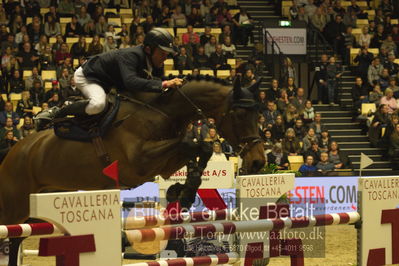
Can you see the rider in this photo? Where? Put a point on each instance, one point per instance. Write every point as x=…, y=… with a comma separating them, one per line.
x=138, y=68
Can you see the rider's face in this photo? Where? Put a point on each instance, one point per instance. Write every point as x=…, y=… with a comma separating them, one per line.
x=158, y=57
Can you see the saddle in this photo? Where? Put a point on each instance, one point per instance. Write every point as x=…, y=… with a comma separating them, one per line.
x=87, y=128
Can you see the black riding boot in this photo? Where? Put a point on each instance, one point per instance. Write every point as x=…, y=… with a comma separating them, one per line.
x=77, y=108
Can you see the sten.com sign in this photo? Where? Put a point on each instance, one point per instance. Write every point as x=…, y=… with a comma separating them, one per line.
x=325, y=194
x=290, y=40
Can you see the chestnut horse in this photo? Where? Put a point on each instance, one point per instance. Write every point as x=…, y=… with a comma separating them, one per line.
x=147, y=143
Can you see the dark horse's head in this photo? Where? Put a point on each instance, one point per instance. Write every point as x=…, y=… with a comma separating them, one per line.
x=239, y=126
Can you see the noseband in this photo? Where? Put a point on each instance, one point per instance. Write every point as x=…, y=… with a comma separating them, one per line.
x=246, y=144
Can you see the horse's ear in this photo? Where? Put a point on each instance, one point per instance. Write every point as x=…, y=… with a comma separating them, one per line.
x=237, y=88
x=254, y=88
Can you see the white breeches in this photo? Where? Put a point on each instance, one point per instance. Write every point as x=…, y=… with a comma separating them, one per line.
x=91, y=91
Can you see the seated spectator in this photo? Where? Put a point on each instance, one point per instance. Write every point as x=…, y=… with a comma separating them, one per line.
x=73, y=28
x=8, y=113
x=383, y=56
x=95, y=46
x=16, y=83
x=365, y=37
x=282, y=102
x=375, y=71
x=376, y=94
x=314, y=151
x=46, y=59
x=389, y=45
x=63, y=83
x=210, y=47
x=324, y=141
x=309, y=138
x=57, y=45
x=268, y=141
x=109, y=44
x=350, y=19
x=42, y=45
x=270, y=114
x=68, y=65
x=89, y=29
x=338, y=158
x=164, y=20
x=224, y=17
x=278, y=157
x=380, y=120
x=378, y=38
x=226, y=32
x=324, y=164
x=278, y=129
x=27, y=58
x=24, y=106
x=139, y=39
x=290, y=143
x=308, y=112
x=395, y=89
x=9, y=141
x=52, y=28
x=273, y=93
x=290, y=115
x=125, y=42
x=291, y=88
x=178, y=18
x=201, y=60
x=148, y=24
x=389, y=101
x=27, y=128
x=317, y=125
x=231, y=77
x=258, y=58
x=190, y=32
x=249, y=78
x=384, y=79
x=37, y=94
x=101, y=26
x=192, y=46
x=393, y=150
x=211, y=19
x=72, y=91
x=79, y=48
x=55, y=101
x=299, y=100
x=261, y=124
x=195, y=18
x=182, y=60
x=9, y=127
x=206, y=36
x=228, y=48
x=62, y=54
x=392, y=67
x=395, y=34
x=111, y=32
x=83, y=16
x=308, y=167
x=300, y=130
x=218, y=60
x=218, y=155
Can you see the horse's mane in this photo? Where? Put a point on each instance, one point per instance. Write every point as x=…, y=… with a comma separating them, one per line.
x=209, y=78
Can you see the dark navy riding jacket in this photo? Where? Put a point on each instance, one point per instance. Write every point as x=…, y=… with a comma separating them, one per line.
x=125, y=69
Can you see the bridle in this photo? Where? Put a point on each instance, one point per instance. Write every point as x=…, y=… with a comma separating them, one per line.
x=245, y=143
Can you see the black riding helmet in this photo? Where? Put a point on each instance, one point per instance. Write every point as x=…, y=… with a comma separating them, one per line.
x=159, y=37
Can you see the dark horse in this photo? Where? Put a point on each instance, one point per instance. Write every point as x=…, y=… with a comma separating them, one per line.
x=146, y=144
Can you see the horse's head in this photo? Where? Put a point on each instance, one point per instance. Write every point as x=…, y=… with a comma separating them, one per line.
x=239, y=127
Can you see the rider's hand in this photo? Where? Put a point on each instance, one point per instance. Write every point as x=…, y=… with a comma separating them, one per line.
x=174, y=83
